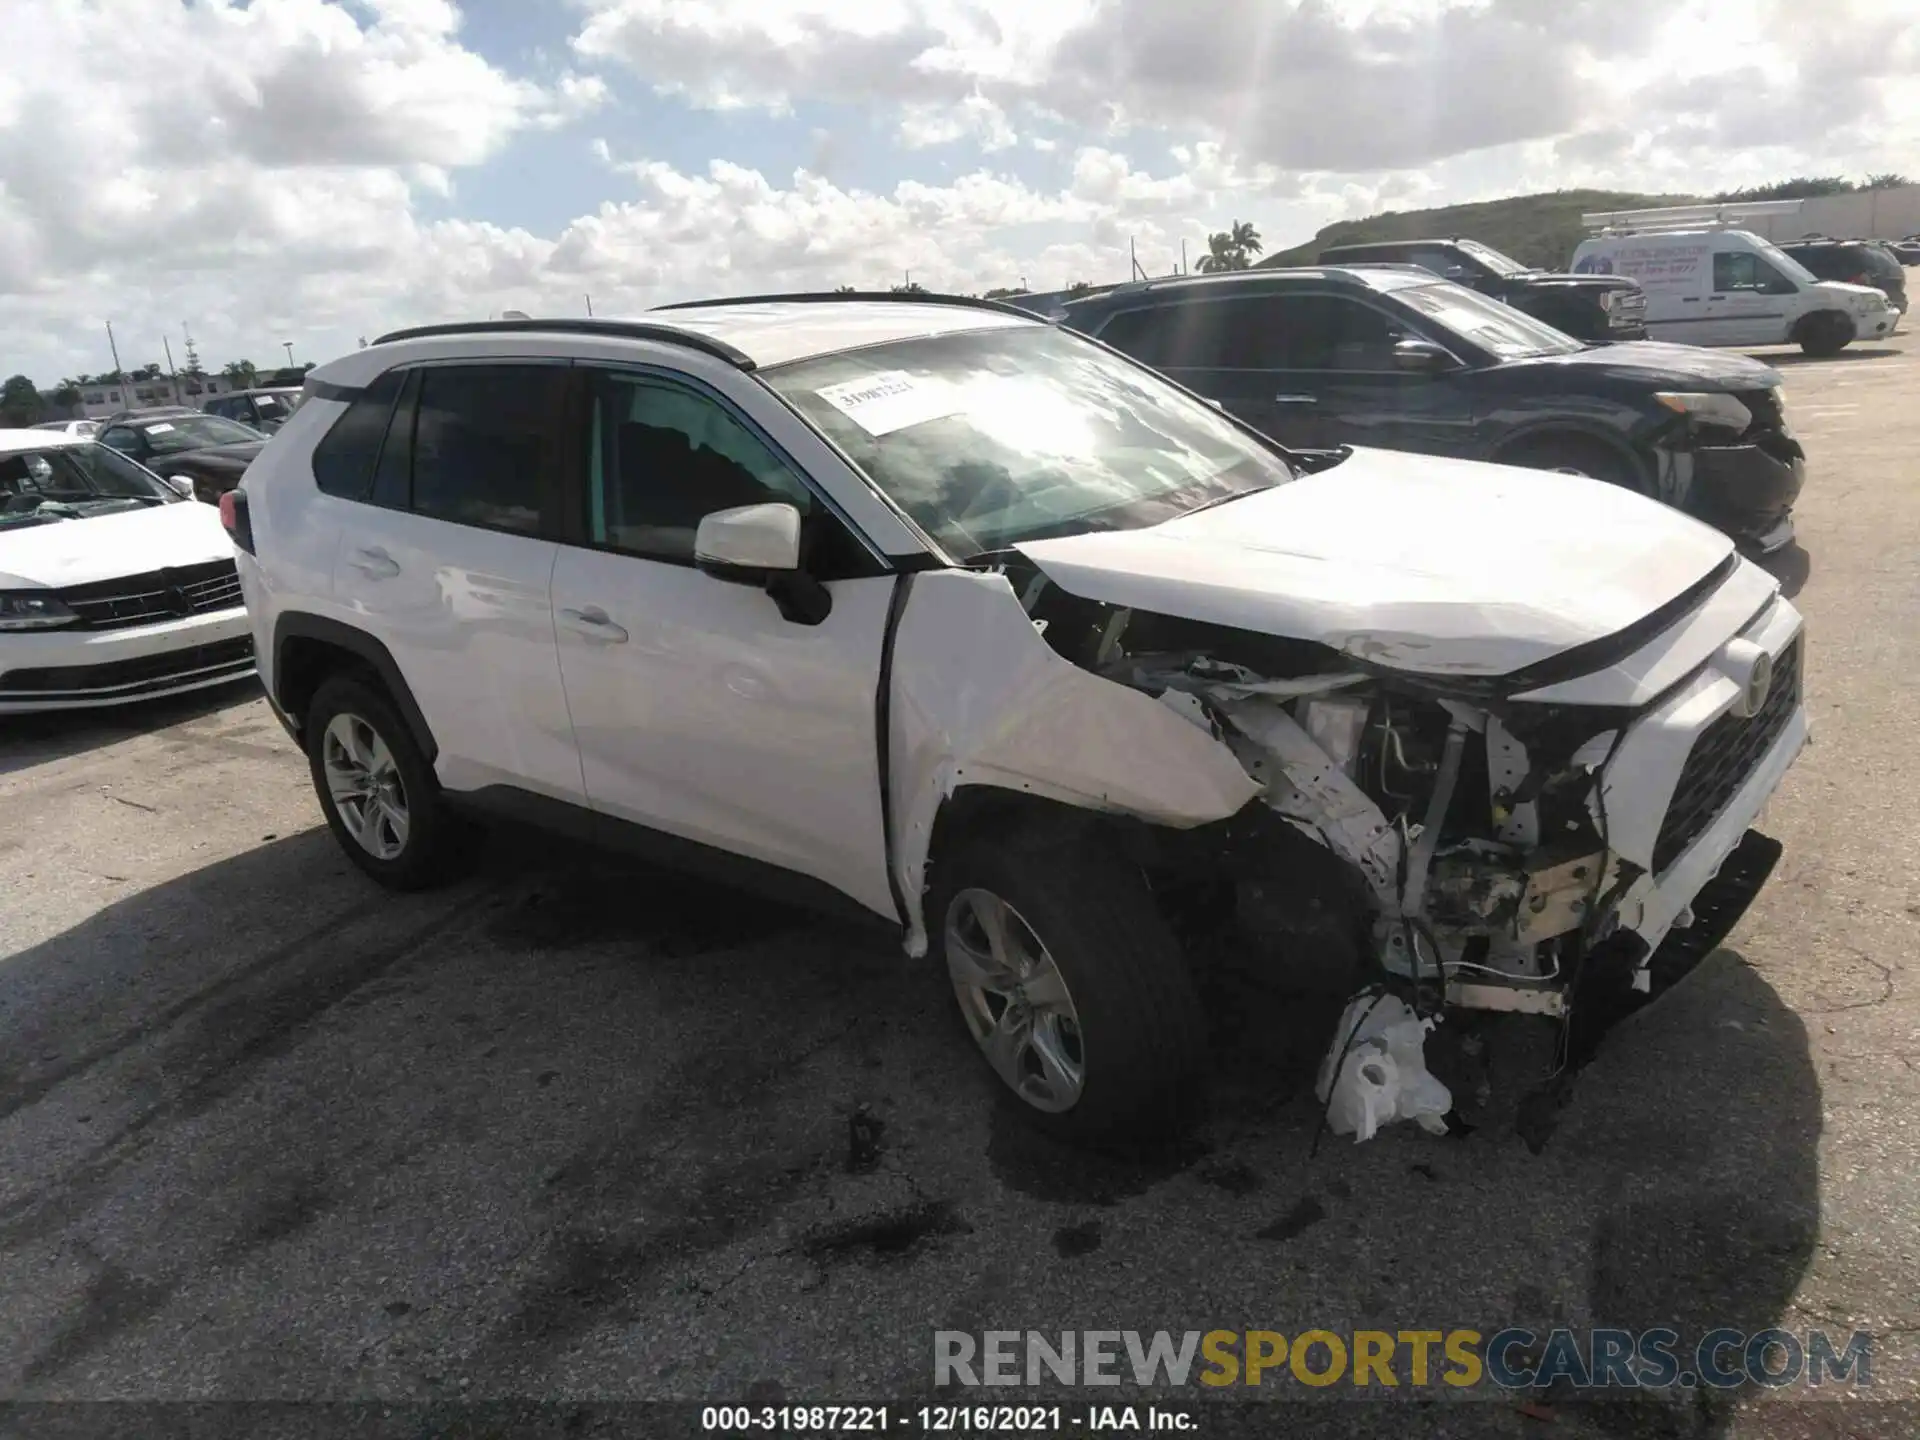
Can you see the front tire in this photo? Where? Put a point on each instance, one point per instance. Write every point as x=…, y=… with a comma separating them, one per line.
x=378, y=790
x=1072, y=987
x=1825, y=333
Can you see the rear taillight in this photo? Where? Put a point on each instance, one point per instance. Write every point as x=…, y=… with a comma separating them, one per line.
x=235, y=519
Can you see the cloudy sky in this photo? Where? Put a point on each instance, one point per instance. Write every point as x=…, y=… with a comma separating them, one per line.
x=318, y=170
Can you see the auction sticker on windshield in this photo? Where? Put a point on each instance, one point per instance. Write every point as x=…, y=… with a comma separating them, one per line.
x=159, y=429
x=891, y=400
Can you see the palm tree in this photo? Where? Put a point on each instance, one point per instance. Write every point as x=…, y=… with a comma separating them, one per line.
x=846, y=289
x=240, y=372
x=1232, y=249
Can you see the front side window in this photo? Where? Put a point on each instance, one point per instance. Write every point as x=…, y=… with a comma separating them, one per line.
x=1470, y=316
x=74, y=482
x=664, y=457
x=988, y=438
x=1744, y=270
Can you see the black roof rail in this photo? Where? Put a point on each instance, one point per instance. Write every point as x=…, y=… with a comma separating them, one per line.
x=610, y=329
x=914, y=297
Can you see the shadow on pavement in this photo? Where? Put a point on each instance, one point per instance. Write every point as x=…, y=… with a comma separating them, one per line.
x=1846, y=356
x=270, y=1096
x=35, y=739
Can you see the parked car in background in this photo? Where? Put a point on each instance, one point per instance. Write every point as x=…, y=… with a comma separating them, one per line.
x=1857, y=262
x=1597, y=308
x=946, y=616
x=84, y=429
x=204, y=451
x=1396, y=358
x=265, y=410
x=112, y=586
x=1708, y=285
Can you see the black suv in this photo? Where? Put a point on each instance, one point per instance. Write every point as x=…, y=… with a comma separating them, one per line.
x=1599, y=308
x=1856, y=262
x=1389, y=356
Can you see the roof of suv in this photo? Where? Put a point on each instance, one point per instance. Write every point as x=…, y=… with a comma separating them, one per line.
x=1359, y=277
x=755, y=332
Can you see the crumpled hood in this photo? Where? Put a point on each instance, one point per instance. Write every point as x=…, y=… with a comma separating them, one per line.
x=1437, y=567
x=103, y=547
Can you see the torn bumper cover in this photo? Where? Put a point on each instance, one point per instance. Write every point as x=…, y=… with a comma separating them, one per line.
x=1499, y=841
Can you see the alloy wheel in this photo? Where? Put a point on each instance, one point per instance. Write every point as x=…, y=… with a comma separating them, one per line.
x=1015, y=1001
x=365, y=784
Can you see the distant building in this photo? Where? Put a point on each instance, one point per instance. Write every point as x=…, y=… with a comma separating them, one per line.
x=99, y=400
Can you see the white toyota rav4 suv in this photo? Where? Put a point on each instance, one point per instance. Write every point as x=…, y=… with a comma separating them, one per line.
x=967, y=623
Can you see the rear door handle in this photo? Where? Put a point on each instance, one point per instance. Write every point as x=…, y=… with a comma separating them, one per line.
x=1296, y=399
x=374, y=563
x=594, y=624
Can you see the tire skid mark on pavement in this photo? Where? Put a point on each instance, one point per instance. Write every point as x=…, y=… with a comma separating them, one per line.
x=245, y=1034
x=16, y=1095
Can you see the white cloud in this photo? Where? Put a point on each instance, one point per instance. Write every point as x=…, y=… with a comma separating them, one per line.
x=276, y=179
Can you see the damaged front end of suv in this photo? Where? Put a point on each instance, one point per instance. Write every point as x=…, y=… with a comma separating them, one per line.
x=1490, y=836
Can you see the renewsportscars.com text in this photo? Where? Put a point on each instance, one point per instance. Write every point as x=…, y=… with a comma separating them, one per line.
x=1511, y=1359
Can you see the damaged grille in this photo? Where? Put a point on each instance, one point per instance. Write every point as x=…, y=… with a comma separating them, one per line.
x=161, y=595
x=1722, y=759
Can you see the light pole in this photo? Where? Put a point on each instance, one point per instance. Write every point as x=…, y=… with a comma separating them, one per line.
x=289, y=346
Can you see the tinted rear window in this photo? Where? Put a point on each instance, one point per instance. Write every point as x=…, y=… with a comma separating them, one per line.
x=343, y=461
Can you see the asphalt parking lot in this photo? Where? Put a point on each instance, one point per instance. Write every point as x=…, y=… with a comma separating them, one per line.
x=573, y=1129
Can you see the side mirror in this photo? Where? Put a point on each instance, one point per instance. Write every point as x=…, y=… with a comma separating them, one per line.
x=181, y=486
x=748, y=543
x=760, y=545
x=1420, y=357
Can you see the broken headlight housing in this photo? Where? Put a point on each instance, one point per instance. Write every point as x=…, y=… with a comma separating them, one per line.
x=1708, y=408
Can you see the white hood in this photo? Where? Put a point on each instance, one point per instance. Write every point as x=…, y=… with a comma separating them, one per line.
x=1860, y=299
x=133, y=542
x=1442, y=567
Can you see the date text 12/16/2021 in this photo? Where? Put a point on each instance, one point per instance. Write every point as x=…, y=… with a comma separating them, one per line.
x=944, y=1419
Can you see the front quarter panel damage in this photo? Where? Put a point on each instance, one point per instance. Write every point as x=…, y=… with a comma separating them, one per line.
x=980, y=699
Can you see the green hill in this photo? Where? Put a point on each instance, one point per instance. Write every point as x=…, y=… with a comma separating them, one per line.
x=1534, y=229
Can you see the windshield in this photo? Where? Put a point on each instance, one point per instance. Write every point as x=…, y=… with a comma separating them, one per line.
x=1783, y=261
x=193, y=432
x=1507, y=332
x=1493, y=259
x=74, y=482
x=994, y=437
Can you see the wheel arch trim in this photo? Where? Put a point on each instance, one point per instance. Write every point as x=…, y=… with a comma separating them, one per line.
x=295, y=626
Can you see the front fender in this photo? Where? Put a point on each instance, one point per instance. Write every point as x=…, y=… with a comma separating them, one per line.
x=979, y=698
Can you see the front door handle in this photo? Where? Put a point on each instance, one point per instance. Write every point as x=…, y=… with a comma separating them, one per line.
x=1296, y=399
x=374, y=563
x=594, y=624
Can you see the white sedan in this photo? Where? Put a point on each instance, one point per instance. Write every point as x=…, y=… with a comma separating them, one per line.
x=112, y=586
x=83, y=429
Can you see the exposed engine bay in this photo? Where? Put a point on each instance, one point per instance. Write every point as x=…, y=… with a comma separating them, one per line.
x=1472, y=831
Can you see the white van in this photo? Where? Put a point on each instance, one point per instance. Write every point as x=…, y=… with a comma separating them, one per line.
x=1711, y=285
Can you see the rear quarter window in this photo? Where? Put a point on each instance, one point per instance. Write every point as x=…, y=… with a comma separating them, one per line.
x=344, y=460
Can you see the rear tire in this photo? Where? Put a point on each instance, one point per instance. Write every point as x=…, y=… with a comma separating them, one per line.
x=378, y=790
x=1824, y=333
x=1121, y=1061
